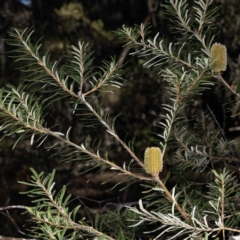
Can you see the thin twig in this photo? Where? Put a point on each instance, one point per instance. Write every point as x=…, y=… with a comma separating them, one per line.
x=12, y=207
x=14, y=222
x=221, y=79
x=151, y=15
x=169, y=195
x=13, y=238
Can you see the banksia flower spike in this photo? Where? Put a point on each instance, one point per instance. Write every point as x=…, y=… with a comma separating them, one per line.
x=218, y=58
x=153, y=161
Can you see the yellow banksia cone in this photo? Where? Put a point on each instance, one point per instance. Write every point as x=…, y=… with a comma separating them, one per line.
x=218, y=58
x=153, y=161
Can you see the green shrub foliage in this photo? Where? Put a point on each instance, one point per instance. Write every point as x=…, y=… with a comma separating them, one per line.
x=200, y=208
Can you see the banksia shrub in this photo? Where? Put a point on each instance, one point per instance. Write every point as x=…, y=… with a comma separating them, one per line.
x=218, y=58
x=153, y=161
x=192, y=199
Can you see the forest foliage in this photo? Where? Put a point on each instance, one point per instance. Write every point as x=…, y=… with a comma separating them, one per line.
x=187, y=180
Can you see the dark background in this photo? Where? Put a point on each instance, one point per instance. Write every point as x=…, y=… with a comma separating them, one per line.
x=63, y=23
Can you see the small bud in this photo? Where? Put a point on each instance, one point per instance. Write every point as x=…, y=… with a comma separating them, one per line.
x=218, y=58
x=153, y=161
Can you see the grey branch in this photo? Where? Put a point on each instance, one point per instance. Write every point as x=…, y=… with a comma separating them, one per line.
x=12, y=238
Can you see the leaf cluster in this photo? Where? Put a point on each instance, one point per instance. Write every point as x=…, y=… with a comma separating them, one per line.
x=186, y=209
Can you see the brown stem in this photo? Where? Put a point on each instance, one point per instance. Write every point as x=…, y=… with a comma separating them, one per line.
x=169, y=195
x=95, y=156
x=221, y=79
